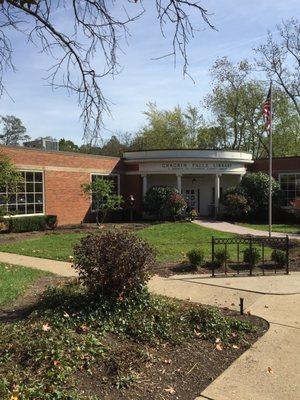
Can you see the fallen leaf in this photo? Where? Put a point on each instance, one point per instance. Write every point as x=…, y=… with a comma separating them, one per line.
x=170, y=390
x=46, y=327
x=57, y=363
x=82, y=329
x=234, y=346
x=270, y=371
x=219, y=347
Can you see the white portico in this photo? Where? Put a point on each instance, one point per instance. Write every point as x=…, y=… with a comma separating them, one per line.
x=200, y=175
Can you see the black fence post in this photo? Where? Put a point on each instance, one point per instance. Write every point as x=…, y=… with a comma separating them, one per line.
x=251, y=255
x=213, y=256
x=287, y=250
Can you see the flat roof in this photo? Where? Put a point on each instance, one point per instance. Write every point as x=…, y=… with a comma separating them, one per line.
x=66, y=153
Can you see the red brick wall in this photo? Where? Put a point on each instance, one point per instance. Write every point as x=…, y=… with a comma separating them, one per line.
x=285, y=164
x=62, y=183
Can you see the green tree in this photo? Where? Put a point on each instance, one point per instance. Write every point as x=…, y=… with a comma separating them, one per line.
x=167, y=129
x=68, y=145
x=236, y=106
x=13, y=131
x=10, y=180
x=104, y=199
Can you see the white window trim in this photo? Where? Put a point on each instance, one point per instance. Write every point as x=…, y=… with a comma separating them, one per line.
x=286, y=173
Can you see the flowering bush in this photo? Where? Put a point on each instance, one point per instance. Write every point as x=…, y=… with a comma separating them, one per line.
x=236, y=206
x=164, y=202
x=177, y=204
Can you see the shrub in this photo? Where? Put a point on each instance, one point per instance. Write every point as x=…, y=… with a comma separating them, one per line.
x=221, y=257
x=196, y=257
x=113, y=263
x=236, y=206
x=177, y=204
x=31, y=223
x=192, y=214
x=255, y=188
x=164, y=202
x=252, y=256
x=279, y=257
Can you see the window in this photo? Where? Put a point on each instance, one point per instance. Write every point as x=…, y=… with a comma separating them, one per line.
x=114, y=178
x=30, y=197
x=290, y=185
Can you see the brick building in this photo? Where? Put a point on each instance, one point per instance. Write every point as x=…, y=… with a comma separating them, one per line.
x=53, y=179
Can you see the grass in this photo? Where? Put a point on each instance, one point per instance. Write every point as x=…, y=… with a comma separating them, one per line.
x=55, y=246
x=14, y=281
x=73, y=337
x=171, y=241
x=284, y=228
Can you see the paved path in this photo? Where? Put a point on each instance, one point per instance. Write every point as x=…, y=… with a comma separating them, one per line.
x=275, y=298
x=240, y=230
x=57, y=267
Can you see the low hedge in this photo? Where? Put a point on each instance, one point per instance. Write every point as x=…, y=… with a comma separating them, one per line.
x=31, y=223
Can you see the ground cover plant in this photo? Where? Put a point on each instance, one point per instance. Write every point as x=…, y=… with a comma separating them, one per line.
x=79, y=346
x=14, y=281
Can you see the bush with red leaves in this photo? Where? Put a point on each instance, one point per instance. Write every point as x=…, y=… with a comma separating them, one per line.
x=114, y=263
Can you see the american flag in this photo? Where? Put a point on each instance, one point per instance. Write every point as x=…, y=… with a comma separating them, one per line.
x=267, y=110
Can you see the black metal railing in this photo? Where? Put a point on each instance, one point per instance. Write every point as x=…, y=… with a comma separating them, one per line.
x=264, y=244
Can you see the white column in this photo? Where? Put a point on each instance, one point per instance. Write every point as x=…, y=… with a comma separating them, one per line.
x=179, y=182
x=217, y=191
x=144, y=185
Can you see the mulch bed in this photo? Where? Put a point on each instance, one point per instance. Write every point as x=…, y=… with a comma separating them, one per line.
x=160, y=373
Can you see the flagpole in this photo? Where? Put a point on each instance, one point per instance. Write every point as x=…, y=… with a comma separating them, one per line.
x=270, y=163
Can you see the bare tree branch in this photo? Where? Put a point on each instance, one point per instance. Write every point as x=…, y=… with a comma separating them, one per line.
x=281, y=59
x=98, y=26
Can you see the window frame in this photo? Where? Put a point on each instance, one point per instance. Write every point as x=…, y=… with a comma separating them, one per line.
x=34, y=193
x=280, y=175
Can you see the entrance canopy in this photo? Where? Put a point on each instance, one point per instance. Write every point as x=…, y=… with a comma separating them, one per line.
x=200, y=175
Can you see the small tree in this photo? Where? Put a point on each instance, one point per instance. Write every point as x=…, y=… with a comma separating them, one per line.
x=10, y=180
x=104, y=199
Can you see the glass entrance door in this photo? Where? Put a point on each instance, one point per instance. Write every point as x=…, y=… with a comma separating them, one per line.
x=192, y=198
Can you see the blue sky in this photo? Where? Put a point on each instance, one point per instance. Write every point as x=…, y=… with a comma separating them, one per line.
x=241, y=26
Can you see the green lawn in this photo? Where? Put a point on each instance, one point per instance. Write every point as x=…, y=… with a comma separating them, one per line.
x=171, y=240
x=56, y=246
x=14, y=280
x=284, y=228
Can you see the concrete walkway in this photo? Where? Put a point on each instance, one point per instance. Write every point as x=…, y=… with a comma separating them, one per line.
x=56, y=267
x=275, y=298
x=239, y=230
